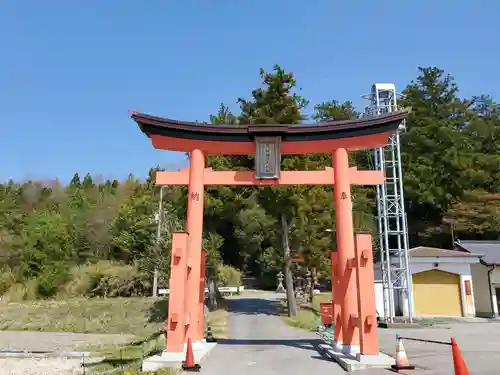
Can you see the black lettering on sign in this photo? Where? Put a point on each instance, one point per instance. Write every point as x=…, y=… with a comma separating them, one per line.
x=195, y=196
x=343, y=195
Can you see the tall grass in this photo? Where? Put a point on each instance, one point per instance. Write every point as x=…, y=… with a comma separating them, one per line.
x=100, y=279
x=106, y=279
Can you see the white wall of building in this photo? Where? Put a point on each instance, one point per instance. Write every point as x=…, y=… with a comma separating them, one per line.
x=379, y=299
x=482, y=297
x=495, y=275
x=495, y=283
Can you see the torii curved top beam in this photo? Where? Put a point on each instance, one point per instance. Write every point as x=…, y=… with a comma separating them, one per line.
x=320, y=137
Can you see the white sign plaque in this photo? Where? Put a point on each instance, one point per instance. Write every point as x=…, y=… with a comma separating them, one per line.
x=267, y=158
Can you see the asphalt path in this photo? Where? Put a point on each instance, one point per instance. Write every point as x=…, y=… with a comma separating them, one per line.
x=261, y=343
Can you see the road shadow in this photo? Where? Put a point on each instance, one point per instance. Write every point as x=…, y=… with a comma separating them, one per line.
x=254, y=306
x=306, y=344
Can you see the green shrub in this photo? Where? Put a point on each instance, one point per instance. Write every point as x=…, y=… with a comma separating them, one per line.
x=51, y=278
x=228, y=276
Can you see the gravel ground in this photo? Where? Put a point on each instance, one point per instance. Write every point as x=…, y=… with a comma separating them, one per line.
x=49, y=366
x=49, y=341
x=56, y=341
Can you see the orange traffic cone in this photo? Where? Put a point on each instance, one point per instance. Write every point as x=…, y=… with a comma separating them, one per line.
x=458, y=361
x=188, y=364
x=402, y=365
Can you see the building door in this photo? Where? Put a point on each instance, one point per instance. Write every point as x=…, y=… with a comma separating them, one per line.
x=437, y=292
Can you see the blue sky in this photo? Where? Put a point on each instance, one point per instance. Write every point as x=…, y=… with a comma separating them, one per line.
x=71, y=70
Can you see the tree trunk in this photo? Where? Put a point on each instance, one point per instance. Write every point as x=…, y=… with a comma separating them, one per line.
x=290, y=295
x=313, y=284
x=212, y=295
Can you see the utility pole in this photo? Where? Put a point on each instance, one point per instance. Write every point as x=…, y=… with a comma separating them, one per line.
x=452, y=236
x=158, y=238
x=450, y=221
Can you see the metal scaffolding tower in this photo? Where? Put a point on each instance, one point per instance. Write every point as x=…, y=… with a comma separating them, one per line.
x=391, y=215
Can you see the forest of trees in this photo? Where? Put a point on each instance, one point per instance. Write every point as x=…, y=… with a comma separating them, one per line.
x=96, y=238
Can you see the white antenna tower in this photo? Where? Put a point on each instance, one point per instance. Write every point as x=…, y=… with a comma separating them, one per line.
x=391, y=214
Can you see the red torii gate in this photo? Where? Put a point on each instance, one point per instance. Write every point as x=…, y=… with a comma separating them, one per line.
x=352, y=265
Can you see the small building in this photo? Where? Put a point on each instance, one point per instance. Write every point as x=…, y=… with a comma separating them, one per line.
x=442, y=283
x=485, y=275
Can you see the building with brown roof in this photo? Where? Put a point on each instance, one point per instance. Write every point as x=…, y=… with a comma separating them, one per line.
x=442, y=283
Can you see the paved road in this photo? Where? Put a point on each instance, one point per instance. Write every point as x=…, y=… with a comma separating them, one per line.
x=479, y=343
x=260, y=343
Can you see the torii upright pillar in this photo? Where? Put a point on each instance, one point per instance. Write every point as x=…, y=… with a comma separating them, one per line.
x=194, y=227
x=345, y=250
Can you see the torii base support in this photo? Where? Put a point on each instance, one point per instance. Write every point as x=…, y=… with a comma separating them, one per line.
x=174, y=360
x=354, y=360
x=175, y=342
x=366, y=354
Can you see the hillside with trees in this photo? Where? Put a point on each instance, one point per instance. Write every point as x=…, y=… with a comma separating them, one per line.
x=98, y=238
